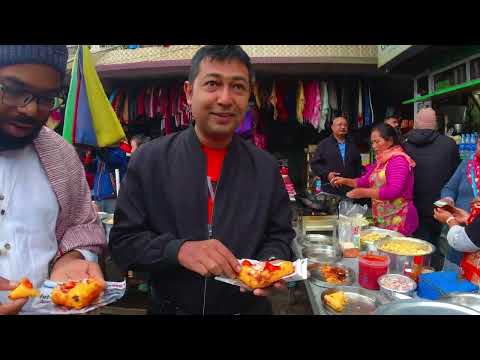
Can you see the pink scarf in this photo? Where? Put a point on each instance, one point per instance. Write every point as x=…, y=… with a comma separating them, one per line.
x=396, y=150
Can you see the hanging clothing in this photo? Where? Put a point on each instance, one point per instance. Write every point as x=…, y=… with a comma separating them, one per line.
x=332, y=96
x=281, y=94
x=360, y=120
x=273, y=101
x=317, y=107
x=325, y=106
x=300, y=102
x=256, y=93
x=367, y=106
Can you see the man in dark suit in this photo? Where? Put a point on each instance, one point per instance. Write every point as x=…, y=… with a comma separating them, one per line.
x=337, y=155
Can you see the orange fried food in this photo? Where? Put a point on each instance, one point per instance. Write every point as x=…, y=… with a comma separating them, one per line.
x=265, y=273
x=333, y=274
x=77, y=294
x=23, y=290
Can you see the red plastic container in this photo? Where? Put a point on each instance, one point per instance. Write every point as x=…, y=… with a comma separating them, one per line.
x=370, y=268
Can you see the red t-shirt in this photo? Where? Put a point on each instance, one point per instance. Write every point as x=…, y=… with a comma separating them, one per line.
x=215, y=159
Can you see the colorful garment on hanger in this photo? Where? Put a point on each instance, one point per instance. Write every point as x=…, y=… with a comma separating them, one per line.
x=300, y=102
x=256, y=93
x=325, y=106
x=310, y=101
x=281, y=93
x=273, y=101
x=360, y=119
x=368, y=108
x=332, y=96
x=317, y=108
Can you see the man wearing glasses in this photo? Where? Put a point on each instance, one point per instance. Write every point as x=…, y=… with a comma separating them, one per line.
x=48, y=227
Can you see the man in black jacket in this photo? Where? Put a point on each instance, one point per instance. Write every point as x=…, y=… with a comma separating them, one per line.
x=194, y=202
x=337, y=155
x=437, y=158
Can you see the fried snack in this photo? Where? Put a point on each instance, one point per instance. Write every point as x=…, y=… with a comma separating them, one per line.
x=264, y=274
x=333, y=274
x=77, y=294
x=23, y=290
x=337, y=301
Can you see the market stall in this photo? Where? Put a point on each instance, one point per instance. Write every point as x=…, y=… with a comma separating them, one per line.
x=385, y=287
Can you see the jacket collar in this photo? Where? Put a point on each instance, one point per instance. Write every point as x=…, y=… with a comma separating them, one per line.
x=194, y=142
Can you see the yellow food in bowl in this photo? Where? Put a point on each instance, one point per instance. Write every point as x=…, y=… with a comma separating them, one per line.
x=371, y=238
x=405, y=247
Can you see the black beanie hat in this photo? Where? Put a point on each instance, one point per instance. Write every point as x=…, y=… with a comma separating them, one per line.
x=53, y=55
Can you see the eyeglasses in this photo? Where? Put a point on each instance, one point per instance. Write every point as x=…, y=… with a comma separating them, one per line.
x=21, y=98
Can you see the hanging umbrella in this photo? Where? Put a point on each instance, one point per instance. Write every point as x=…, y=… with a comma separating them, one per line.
x=89, y=116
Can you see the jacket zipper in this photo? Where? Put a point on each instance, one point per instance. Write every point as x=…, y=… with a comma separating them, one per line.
x=210, y=232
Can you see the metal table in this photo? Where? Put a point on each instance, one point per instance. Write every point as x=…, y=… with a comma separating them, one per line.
x=314, y=291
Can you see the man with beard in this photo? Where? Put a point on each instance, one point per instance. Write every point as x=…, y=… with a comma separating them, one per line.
x=194, y=202
x=48, y=226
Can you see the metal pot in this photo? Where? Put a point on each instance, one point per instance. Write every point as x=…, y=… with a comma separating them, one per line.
x=398, y=263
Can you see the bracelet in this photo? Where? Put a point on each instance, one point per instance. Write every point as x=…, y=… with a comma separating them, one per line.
x=450, y=218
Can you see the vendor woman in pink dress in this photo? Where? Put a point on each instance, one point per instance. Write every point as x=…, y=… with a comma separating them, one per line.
x=388, y=182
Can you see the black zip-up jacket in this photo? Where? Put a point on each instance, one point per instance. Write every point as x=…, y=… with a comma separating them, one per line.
x=327, y=159
x=436, y=157
x=163, y=203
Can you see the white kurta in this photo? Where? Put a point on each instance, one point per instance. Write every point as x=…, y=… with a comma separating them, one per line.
x=28, y=217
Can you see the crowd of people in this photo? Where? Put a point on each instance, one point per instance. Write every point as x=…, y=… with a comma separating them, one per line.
x=210, y=199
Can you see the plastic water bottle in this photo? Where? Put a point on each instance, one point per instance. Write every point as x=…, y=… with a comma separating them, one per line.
x=472, y=146
x=461, y=147
x=318, y=186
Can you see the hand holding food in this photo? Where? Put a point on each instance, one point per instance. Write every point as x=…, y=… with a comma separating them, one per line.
x=72, y=266
x=208, y=257
x=77, y=294
x=441, y=215
x=264, y=274
x=11, y=307
x=23, y=290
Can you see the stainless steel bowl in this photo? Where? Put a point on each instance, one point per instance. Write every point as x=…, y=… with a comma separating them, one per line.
x=395, y=293
x=398, y=263
x=315, y=239
x=322, y=253
x=370, y=246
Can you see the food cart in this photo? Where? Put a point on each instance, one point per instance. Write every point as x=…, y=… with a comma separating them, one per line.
x=363, y=301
